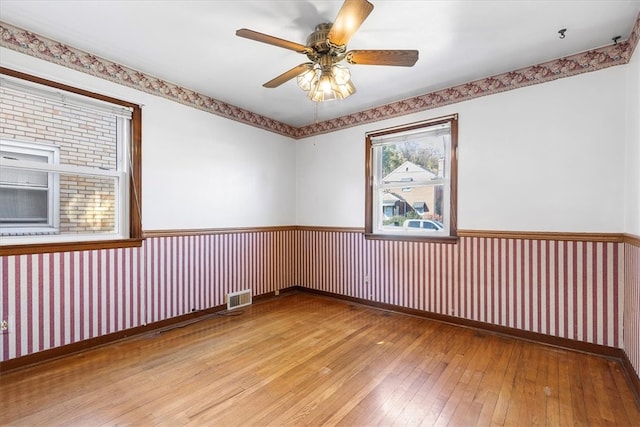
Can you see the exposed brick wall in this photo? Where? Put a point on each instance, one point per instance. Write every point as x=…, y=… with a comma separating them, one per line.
x=84, y=138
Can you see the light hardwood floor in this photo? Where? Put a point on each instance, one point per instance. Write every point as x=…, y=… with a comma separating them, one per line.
x=302, y=359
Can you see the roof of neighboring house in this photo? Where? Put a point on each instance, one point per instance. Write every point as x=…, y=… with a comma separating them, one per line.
x=408, y=172
x=390, y=198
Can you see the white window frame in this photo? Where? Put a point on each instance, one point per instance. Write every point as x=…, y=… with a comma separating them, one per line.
x=52, y=154
x=445, y=128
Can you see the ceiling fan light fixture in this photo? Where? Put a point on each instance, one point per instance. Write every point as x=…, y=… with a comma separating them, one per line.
x=331, y=84
x=307, y=79
x=323, y=88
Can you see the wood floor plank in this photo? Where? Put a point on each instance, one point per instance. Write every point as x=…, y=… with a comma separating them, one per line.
x=303, y=359
x=564, y=389
x=490, y=388
x=466, y=384
x=427, y=366
x=628, y=401
x=507, y=395
x=548, y=384
x=576, y=380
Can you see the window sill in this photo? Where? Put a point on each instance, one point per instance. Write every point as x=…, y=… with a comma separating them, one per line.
x=44, y=248
x=412, y=238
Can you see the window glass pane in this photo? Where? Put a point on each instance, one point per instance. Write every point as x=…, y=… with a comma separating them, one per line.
x=422, y=202
x=91, y=141
x=23, y=206
x=23, y=177
x=414, y=161
x=87, y=204
x=17, y=177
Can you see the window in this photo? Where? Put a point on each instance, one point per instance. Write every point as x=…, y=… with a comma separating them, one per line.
x=69, y=168
x=29, y=199
x=411, y=181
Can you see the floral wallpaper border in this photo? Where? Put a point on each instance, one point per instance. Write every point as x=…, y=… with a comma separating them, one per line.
x=50, y=50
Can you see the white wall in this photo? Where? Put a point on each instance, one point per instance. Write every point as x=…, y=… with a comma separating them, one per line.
x=547, y=157
x=198, y=170
x=632, y=156
x=203, y=171
x=330, y=179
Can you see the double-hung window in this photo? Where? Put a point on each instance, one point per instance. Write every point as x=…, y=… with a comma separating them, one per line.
x=69, y=167
x=411, y=181
x=29, y=197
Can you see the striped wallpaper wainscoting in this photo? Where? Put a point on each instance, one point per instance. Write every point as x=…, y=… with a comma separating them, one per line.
x=632, y=301
x=61, y=298
x=184, y=273
x=56, y=299
x=567, y=289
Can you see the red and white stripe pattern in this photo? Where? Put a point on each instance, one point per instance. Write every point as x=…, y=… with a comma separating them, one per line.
x=196, y=272
x=560, y=288
x=61, y=298
x=632, y=304
x=55, y=299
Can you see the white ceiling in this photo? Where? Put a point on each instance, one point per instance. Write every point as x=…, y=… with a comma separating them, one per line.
x=193, y=43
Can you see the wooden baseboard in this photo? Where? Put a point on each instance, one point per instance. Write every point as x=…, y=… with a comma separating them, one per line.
x=84, y=345
x=616, y=354
x=631, y=375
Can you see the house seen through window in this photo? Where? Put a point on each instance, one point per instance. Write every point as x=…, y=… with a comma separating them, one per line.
x=411, y=183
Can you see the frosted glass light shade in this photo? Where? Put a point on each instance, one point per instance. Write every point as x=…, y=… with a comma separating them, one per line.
x=341, y=74
x=327, y=84
x=308, y=78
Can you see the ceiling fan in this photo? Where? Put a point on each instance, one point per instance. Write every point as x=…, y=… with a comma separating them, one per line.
x=324, y=78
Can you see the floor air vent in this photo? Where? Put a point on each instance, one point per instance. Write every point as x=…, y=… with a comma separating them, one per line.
x=238, y=299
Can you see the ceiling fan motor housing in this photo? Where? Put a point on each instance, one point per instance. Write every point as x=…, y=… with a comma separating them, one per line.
x=319, y=42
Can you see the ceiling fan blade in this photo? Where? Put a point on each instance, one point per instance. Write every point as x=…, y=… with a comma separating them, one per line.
x=351, y=15
x=403, y=58
x=265, y=38
x=288, y=75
